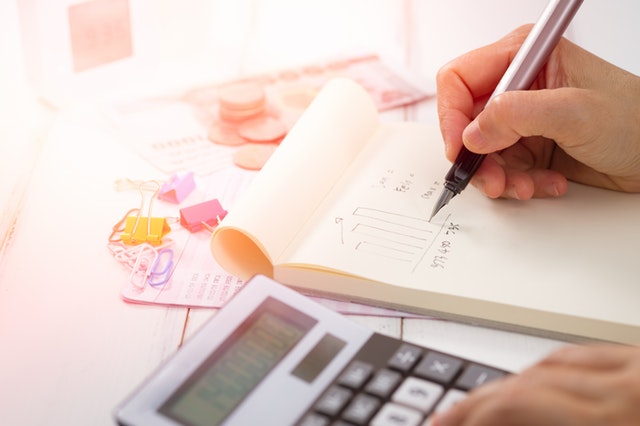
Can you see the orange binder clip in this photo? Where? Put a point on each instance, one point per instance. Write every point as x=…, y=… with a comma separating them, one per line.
x=140, y=229
x=207, y=215
x=178, y=188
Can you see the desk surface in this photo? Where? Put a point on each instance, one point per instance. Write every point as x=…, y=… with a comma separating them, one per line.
x=71, y=348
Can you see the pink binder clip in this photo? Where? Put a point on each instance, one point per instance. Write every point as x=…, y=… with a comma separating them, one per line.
x=178, y=188
x=207, y=214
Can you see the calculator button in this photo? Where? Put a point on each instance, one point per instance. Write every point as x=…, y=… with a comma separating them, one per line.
x=396, y=415
x=405, y=357
x=333, y=400
x=361, y=409
x=476, y=375
x=418, y=393
x=384, y=383
x=356, y=374
x=450, y=399
x=438, y=367
x=314, y=419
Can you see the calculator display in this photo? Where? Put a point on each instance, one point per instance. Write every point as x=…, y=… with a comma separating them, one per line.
x=220, y=384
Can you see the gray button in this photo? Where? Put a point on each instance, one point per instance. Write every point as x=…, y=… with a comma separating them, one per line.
x=438, y=367
x=405, y=357
x=361, y=409
x=477, y=375
x=384, y=383
x=333, y=400
x=356, y=374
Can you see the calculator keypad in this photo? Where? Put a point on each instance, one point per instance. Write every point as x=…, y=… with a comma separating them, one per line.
x=394, y=383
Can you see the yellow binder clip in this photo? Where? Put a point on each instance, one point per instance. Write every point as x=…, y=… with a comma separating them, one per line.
x=140, y=229
x=144, y=230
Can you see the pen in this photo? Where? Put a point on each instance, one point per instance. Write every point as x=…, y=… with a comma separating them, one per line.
x=524, y=68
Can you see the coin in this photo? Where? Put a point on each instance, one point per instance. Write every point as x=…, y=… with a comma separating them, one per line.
x=262, y=129
x=253, y=156
x=224, y=134
x=237, y=115
x=298, y=98
x=242, y=96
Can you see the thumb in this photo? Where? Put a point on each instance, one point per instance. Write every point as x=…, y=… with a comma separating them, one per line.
x=552, y=113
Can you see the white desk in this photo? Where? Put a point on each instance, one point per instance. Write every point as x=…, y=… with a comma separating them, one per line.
x=71, y=349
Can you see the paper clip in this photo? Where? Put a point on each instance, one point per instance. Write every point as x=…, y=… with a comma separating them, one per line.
x=148, y=264
x=178, y=188
x=144, y=260
x=127, y=256
x=203, y=215
x=139, y=229
x=161, y=269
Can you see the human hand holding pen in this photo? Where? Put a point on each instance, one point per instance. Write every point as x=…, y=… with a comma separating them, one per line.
x=580, y=121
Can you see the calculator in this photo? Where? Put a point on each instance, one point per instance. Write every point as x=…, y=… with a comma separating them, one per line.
x=272, y=356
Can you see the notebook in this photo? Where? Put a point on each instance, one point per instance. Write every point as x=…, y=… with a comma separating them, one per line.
x=341, y=210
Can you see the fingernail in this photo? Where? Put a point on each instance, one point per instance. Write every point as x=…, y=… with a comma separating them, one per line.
x=511, y=192
x=552, y=190
x=447, y=148
x=480, y=184
x=498, y=159
x=472, y=136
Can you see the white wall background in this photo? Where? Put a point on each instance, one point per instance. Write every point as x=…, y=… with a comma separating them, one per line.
x=261, y=32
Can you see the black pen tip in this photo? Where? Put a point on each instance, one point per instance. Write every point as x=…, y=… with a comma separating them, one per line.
x=444, y=199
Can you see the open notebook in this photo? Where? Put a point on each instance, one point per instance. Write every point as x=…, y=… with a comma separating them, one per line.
x=341, y=210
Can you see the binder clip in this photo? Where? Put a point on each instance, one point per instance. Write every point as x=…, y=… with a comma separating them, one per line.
x=204, y=215
x=178, y=188
x=139, y=229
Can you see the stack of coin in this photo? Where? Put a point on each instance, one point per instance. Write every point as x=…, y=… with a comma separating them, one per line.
x=240, y=102
x=244, y=120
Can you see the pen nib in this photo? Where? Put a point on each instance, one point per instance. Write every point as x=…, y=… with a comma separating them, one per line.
x=444, y=199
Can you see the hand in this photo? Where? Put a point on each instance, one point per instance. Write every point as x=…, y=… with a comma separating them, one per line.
x=575, y=386
x=580, y=121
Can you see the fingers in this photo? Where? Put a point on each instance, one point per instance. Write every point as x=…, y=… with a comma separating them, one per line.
x=480, y=70
x=595, y=357
x=496, y=178
x=517, y=114
x=573, y=386
x=465, y=84
x=517, y=406
x=540, y=395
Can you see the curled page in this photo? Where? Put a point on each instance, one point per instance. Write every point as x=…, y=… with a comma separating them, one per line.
x=322, y=144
